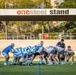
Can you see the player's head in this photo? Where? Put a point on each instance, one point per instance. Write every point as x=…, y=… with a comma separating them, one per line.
x=12, y=44
x=69, y=47
x=62, y=40
x=41, y=43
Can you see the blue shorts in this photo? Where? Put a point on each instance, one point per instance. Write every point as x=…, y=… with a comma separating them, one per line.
x=29, y=55
x=4, y=54
x=24, y=55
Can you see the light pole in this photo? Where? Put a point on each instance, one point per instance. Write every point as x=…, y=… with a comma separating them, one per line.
x=42, y=7
x=5, y=24
x=6, y=29
x=42, y=30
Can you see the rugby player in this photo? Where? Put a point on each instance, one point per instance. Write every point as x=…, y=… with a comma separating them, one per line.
x=6, y=51
x=37, y=49
x=62, y=45
x=69, y=53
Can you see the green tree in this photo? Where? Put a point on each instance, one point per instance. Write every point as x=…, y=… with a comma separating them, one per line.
x=70, y=25
x=68, y=4
x=16, y=3
x=25, y=4
x=1, y=4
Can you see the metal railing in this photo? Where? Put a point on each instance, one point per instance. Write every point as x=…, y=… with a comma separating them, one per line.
x=24, y=36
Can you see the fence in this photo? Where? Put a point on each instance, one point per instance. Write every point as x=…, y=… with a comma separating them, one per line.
x=23, y=36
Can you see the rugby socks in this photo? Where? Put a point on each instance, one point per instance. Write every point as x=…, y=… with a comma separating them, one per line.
x=44, y=60
x=40, y=61
x=29, y=63
x=67, y=59
x=6, y=61
x=23, y=61
x=55, y=61
x=13, y=61
x=62, y=61
x=50, y=62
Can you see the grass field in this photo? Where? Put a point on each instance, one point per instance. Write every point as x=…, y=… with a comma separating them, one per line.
x=35, y=69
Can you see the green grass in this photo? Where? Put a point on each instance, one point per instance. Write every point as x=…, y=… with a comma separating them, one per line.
x=66, y=69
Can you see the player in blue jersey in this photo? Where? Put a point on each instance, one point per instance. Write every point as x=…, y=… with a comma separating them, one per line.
x=69, y=53
x=6, y=51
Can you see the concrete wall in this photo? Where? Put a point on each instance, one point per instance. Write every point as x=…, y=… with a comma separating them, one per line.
x=23, y=43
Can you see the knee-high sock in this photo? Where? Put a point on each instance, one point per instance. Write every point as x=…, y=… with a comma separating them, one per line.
x=13, y=61
x=6, y=61
x=44, y=60
x=29, y=61
x=40, y=61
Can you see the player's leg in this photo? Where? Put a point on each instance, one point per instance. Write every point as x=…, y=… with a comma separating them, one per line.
x=58, y=57
x=62, y=61
x=50, y=59
x=29, y=59
x=72, y=59
x=54, y=52
x=6, y=59
x=43, y=56
x=29, y=63
x=6, y=56
x=67, y=57
x=19, y=56
x=54, y=59
x=40, y=59
x=23, y=60
x=33, y=56
x=18, y=60
x=13, y=62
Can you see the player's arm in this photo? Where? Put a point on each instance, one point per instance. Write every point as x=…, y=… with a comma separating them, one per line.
x=66, y=52
x=73, y=52
x=44, y=49
x=64, y=46
x=58, y=44
x=12, y=51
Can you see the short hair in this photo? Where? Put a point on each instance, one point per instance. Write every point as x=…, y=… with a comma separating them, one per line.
x=62, y=39
x=41, y=41
x=12, y=44
x=69, y=46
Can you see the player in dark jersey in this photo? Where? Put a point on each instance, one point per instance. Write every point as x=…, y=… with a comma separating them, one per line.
x=62, y=45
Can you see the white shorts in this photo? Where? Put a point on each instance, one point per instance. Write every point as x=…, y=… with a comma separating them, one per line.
x=4, y=54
